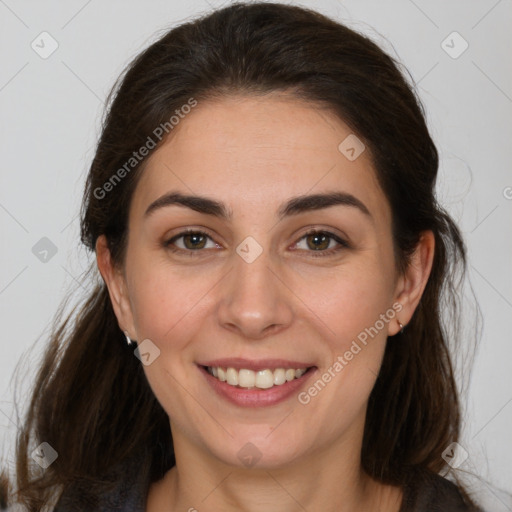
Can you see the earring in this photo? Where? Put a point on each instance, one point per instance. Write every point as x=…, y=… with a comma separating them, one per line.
x=401, y=325
x=129, y=341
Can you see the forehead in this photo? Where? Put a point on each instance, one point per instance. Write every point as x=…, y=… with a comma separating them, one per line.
x=254, y=152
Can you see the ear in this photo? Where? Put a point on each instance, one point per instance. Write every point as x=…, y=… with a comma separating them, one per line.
x=116, y=284
x=412, y=282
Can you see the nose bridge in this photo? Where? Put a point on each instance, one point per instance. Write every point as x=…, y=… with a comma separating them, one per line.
x=253, y=300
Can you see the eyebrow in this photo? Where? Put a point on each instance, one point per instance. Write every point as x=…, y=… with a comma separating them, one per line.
x=293, y=206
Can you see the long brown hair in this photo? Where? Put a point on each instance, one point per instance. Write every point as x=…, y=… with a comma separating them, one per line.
x=91, y=401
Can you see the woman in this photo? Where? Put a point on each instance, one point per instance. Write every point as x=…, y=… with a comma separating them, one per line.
x=267, y=328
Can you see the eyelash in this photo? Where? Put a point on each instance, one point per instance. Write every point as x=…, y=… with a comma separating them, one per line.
x=342, y=244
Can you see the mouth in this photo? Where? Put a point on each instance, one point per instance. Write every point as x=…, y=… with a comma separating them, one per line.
x=249, y=383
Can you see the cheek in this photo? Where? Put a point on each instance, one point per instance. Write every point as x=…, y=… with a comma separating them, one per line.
x=167, y=300
x=355, y=343
x=169, y=306
x=350, y=298
x=354, y=308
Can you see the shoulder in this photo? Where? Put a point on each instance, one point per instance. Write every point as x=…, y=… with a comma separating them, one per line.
x=126, y=493
x=428, y=492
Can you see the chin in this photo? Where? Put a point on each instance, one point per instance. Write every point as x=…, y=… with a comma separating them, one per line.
x=259, y=450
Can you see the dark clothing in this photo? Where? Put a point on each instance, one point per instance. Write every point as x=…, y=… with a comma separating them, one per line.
x=435, y=494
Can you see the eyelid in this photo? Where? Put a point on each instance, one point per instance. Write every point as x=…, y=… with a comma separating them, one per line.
x=168, y=242
x=340, y=240
x=342, y=243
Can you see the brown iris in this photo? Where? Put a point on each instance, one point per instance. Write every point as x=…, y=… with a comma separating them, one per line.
x=194, y=241
x=319, y=240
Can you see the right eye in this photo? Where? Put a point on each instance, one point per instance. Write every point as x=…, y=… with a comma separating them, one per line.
x=189, y=241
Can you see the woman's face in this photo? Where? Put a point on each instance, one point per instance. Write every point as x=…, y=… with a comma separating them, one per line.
x=253, y=290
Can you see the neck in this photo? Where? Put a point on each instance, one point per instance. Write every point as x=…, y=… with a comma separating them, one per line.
x=327, y=480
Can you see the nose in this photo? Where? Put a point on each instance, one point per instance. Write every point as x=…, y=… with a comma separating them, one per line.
x=254, y=301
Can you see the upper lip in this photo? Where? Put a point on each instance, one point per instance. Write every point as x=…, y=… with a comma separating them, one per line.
x=255, y=364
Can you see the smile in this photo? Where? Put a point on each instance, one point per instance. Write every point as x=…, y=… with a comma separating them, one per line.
x=249, y=382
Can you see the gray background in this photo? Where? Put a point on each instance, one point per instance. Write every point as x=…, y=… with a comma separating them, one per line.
x=50, y=115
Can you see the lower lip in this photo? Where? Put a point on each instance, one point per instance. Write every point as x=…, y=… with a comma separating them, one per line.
x=256, y=397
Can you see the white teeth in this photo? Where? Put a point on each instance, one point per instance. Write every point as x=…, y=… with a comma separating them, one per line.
x=246, y=378
x=262, y=379
x=279, y=377
x=232, y=376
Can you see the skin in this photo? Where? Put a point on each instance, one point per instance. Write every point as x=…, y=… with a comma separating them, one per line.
x=254, y=154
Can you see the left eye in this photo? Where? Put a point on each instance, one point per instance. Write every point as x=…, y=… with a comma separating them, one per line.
x=320, y=241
